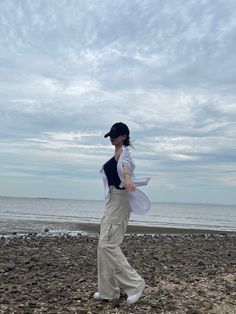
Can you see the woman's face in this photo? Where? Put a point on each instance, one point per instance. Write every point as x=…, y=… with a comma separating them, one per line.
x=118, y=141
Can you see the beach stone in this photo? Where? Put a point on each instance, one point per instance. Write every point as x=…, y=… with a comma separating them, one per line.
x=200, y=263
x=115, y=304
x=33, y=303
x=193, y=311
x=4, y=300
x=157, y=306
x=170, y=307
x=21, y=298
x=229, y=288
x=207, y=305
x=21, y=306
x=30, y=265
x=82, y=279
x=29, y=310
x=65, y=294
x=81, y=310
x=9, y=267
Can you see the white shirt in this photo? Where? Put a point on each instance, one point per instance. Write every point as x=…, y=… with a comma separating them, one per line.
x=139, y=202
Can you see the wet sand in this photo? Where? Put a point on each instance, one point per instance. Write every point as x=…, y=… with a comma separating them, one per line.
x=94, y=228
x=186, y=271
x=19, y=227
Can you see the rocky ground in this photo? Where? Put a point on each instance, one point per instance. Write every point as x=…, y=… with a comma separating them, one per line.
x=188, y=273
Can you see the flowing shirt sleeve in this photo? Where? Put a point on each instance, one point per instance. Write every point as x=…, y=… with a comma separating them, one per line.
x=128, y=161
x=125, y=160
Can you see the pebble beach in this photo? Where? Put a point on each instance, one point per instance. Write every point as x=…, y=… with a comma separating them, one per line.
x=192, y=272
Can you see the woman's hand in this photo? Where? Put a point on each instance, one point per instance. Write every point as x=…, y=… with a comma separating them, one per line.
x=128, y=184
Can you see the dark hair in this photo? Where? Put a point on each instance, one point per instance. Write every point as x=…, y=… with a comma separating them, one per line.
x=127, y=141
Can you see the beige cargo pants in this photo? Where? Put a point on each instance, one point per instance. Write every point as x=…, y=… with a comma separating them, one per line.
x=114, y=271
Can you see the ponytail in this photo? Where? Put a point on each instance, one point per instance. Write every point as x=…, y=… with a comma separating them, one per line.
x=127, y=141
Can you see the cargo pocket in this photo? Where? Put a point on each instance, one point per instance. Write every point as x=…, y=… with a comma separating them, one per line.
x=115, y=234
x=105, y=232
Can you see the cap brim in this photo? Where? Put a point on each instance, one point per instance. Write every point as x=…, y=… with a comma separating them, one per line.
x=112, y=135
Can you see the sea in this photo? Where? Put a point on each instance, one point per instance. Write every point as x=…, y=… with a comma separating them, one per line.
x=22, y=213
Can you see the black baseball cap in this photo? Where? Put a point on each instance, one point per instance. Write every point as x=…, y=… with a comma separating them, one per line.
x=118, y=129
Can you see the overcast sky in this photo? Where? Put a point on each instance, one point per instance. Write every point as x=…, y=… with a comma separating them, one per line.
x=69, y=69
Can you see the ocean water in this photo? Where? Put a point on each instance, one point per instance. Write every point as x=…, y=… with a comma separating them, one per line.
x=170, y=215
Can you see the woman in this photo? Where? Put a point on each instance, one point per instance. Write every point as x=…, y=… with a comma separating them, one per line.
x=121, y=197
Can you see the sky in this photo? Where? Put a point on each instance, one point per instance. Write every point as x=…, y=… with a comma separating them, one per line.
x=70, y=69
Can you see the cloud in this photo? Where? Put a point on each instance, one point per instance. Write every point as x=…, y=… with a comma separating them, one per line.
x=70, y=69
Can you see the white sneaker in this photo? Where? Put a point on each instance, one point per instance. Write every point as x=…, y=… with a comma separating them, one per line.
x=97, y=296
x=134, y=298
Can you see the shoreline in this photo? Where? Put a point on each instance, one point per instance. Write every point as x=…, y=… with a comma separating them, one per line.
x=15, y=227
